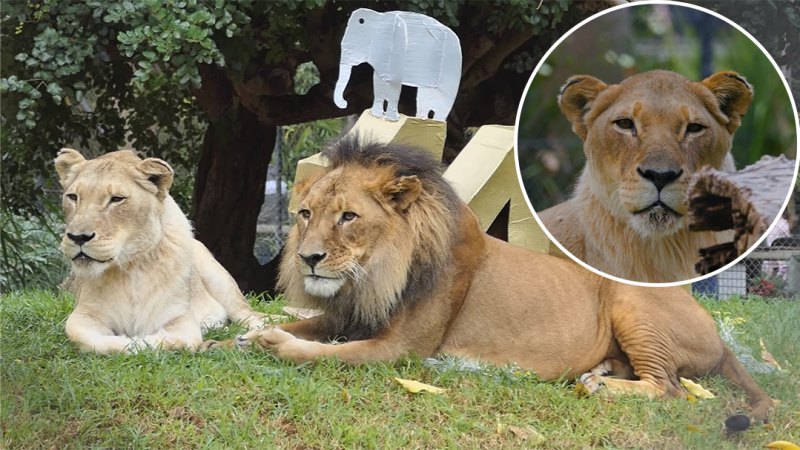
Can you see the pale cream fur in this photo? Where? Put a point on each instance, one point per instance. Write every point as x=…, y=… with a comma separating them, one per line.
x=613, y=222
x=144, y=281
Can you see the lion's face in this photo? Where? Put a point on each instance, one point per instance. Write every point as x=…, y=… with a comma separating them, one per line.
x=112, y=208
x=344, y=221
x=646, y=136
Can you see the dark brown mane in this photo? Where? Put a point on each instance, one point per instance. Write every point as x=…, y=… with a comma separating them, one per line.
x=435, y=214
x=407, y=159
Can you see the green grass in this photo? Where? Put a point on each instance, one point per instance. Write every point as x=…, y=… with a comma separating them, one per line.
x=54, y=397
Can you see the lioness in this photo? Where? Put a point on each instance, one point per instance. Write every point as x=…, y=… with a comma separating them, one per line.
x=140, y=278
x=400, y=266
x=643, y=139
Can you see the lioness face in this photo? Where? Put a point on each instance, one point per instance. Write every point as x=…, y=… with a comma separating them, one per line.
x=112, y=208
x=341, y=218
x=646, y=136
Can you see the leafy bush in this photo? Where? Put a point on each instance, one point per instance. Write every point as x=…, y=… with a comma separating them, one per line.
x=29, y=252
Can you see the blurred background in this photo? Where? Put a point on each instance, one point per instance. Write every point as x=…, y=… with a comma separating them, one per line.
x=634, y=40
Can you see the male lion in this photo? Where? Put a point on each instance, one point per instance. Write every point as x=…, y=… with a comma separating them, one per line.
x=643, y=140
x=400, y=266
x=140, y=278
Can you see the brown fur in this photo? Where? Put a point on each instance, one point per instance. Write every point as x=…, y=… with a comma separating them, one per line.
x=607, y=223
x=484, y=299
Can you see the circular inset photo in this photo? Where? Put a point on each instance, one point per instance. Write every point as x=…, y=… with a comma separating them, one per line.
x=656, y=143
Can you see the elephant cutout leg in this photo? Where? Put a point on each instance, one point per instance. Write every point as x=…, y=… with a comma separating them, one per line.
x=387, y=94
x=433, y=104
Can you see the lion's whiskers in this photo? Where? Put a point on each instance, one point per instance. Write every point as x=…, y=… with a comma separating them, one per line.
x=356, y=272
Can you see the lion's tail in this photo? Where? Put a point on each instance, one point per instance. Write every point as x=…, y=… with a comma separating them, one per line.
x=760, y=402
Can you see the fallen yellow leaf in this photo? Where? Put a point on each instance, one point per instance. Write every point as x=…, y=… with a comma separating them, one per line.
x=695, y=389
x=767, y=356
x=527, y=434
x=519, y=432
x=783, y=445
x=416, y=387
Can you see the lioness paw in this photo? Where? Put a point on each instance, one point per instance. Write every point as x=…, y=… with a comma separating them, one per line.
x=211, y=344
x=255, y=322
x=266, y=338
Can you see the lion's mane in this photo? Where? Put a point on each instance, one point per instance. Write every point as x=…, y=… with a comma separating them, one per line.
x=407, y=264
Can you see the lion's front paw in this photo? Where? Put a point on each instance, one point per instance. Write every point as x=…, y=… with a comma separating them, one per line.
x=266, y=338
x=281, y=343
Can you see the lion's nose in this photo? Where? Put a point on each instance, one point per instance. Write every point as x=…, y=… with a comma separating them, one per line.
x=313, y=258
x=660, y=178
x=81, y=239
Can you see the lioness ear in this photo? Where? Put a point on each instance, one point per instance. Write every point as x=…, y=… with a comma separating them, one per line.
x=734, y=95
x=66, y=159
x=158, y=174
x=402, y=191
x=575, y=99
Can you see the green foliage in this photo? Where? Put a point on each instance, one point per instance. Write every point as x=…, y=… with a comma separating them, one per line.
x=68, y=79
x=768, y=126
x=29, y=252
x=164, y=41
x=53, y=396
x=305, y=139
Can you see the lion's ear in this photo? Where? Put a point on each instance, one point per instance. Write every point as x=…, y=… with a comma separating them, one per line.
x=66, y=159
x=575, y=99
x=402, y=191
x=303, y=187
x=734, y=95
x=158, y=174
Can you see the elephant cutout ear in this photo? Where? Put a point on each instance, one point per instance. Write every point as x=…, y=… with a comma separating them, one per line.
x=66, y=161
x=734, y=96
x=157, y=176
x=575, y=100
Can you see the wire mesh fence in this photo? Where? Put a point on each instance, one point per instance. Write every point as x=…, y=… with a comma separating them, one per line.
x=771, y=270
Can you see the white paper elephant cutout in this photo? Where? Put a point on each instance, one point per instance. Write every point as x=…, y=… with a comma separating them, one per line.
x=403, y=48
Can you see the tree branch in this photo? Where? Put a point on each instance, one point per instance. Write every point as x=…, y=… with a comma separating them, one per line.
x=489, y=64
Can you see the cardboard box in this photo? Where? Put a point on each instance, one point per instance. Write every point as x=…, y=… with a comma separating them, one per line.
x=484, y=176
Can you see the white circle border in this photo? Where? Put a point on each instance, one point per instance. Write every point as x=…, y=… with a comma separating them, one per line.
x=525, y=94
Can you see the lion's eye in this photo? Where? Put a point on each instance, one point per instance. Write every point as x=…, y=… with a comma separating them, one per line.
x=695, y=128
x=304, y=213
x=116, y=199
x=73, y=197
x=625, y=124
x=347, y=216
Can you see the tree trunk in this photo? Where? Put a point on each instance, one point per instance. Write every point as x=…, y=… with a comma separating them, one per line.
x=229, y=192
